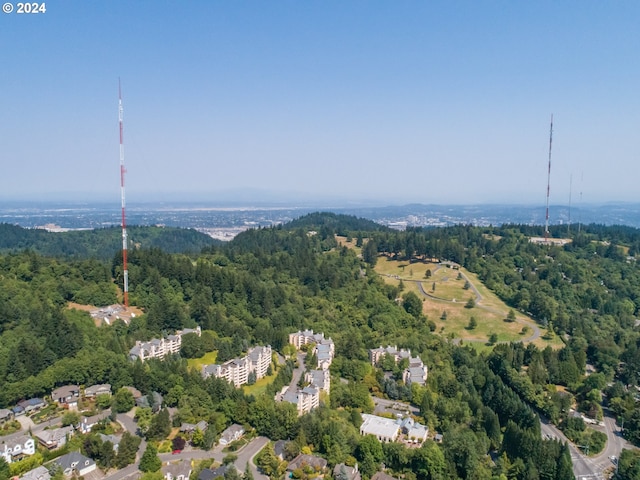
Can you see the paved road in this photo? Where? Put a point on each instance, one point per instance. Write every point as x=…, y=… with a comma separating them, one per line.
x=615, y=443
x=393, y=406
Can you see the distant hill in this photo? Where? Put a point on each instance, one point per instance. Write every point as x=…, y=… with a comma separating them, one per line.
x=101, y=243
x=339, y=223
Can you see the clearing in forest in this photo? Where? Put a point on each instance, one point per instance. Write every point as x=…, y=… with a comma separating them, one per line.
x=446, y=290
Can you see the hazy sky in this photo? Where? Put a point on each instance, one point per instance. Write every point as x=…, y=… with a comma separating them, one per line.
x=393, y=101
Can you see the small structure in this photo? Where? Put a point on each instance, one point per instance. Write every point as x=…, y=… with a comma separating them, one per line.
x=95, y=390
x=67, y=396
x=5, y=415
x=231, y=434
x=192, y=427
x=38, y=473
x=382, y=476
x=114, y=439
x=301, y=461
x=54, y=438
x=345, y=472
x=17, y=448
x=208, y=474
x=87, y=423
x=153, y=401
x=278, y=449
x=31, y=405
x=75, y=463
x=177, y=471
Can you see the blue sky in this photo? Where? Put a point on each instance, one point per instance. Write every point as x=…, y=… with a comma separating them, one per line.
x=403, y=101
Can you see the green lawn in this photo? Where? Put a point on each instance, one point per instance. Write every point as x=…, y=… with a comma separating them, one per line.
x=207, y=359
x=449, y=295
x=260, y=387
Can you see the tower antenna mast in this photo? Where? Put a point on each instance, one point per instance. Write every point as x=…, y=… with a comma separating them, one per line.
x=123, y=170
x=546, y=225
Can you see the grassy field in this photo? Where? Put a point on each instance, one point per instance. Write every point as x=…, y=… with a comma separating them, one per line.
x=445, y=292
x=207, y=359
x=259, y=387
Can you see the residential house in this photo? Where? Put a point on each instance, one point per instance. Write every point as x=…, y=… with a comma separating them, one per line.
x=75, y=463
x=177, y=471
x=38, y=473
x=382, y=476
x=134, y=391
x=31, y=405
x=301, y=461
x=237, y=370
x=376, y=354
x=114, y=439
x=192, y=427
x=17, y=411
x=278, y=448
x=208, y=474
x=95, y=390
x=153, y=401
x=160, y=348
x=231, y=434
x=54, y=438
x=413, y=431
x=5, y=415
x=67, y=396
x=16, y=448
x=87, y=423
x=345, y=472
x=416, y=372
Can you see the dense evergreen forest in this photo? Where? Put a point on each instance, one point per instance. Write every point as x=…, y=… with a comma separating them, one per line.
x=270, y=282
x=101, y=244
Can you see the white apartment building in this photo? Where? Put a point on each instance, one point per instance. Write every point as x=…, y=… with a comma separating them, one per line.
x=416, y=372
x=376, y=354
x=324, y=348
x=237, y=370
x=160, y=348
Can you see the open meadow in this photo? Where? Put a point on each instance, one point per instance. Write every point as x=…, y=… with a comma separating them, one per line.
x=446, y=290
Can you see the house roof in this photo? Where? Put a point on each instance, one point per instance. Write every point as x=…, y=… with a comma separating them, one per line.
x=278, y=447
x=382, y=476
x=208, y=474
x=303, y=459
x=55, y=435
x=352, y=473
x=32, y=402
x=72, y=460
x=5, y=413
x=96, y=389
x=38, y=473
x=12, y=442
x=231, y=431
x=182, y=468
x=65, y=391
x=379, y=426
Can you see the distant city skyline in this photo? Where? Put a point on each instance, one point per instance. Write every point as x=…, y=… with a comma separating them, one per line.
x=377, y=102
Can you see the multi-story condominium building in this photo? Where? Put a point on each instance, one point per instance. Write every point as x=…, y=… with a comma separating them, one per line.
x=237, y=371
x=305, y=337
x=389, y=429
x=320, y=379
x=324, y=348
x=160, y=348
x=305, y=399
x=416, y=372
x=376, y=354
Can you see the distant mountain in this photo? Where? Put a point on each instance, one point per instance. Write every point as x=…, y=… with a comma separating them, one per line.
x=339, y=223
x=101, y=243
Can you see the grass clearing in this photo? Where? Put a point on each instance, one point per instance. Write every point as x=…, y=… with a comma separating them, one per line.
x=443, y=291
x=206, y=359
x=260, y=387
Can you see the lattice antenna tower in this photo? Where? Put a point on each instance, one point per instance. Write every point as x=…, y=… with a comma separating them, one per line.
x=125, y=270
x=546, y=225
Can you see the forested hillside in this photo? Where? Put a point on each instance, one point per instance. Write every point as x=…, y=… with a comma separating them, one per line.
x=270, y=282
x=100, y=244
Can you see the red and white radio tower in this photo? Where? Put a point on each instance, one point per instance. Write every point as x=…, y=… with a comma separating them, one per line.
x=546, y=225
x=125, y=271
